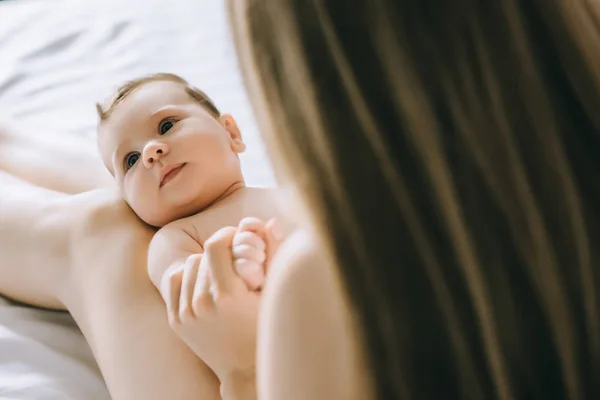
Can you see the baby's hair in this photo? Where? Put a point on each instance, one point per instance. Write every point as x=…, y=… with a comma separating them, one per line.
x=198, y=95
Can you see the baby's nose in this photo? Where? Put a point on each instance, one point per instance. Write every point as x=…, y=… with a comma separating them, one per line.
x=153, y=152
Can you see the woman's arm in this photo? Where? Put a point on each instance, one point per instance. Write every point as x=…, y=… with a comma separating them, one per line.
x=59, y=162
x=121, y=313
x=307, y=346
x=88, y=253
x=33, y=244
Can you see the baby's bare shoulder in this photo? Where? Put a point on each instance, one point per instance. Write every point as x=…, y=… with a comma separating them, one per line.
x=255, y=202
x=269, y=194
x=185, y=225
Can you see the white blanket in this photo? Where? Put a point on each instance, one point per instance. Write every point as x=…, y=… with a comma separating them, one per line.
x=59, y=57
x=44, y=356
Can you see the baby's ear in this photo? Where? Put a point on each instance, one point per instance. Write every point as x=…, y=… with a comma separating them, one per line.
x=237, y=145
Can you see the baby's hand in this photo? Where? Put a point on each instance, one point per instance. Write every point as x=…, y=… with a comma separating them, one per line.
x=249, y=252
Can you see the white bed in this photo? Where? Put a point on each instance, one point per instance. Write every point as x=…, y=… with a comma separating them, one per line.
x=59, y=57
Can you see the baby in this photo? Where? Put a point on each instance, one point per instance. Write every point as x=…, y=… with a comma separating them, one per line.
x=175, y=159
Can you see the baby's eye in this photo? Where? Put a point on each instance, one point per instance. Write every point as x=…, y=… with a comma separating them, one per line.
x=165, y=126
x=130, y=160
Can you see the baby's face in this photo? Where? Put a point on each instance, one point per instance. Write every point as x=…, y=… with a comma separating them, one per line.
x=170, y=157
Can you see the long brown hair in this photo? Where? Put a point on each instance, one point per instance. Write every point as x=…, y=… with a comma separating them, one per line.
x=449, y=153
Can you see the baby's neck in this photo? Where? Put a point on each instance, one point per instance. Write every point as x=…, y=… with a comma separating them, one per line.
x=235, y=191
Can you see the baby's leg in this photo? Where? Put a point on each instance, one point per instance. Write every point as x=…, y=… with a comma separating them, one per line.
x=87, y=253
x=67, y=164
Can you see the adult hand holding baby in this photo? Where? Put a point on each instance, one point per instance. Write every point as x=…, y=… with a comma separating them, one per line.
x=213, y=309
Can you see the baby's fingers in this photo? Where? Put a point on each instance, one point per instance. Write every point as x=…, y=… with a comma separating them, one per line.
x=249, y=252
x=251, y=272
x=252, y=224
x=249, y=256
x=249, y=238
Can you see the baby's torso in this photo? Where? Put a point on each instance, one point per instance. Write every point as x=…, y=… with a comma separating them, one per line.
x=251, y=202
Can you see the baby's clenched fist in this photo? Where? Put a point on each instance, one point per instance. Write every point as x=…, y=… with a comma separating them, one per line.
x=249, y=252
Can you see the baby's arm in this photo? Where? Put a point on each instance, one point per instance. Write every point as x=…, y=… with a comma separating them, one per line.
x=175, y=252
x=169, y=249
x=175, y=243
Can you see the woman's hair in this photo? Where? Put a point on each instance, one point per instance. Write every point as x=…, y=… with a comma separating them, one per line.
x=449, y=153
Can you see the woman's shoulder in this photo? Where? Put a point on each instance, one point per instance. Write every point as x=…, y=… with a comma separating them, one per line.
x=310, y=343
x=297, y=251
x=300, y=265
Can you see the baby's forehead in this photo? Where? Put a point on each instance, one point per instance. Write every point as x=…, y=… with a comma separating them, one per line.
x=135, y=110
x=145, y=99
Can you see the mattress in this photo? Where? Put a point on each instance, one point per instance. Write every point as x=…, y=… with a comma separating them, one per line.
x=58, y=58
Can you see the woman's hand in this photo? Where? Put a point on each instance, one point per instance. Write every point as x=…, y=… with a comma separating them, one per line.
x=212, y=309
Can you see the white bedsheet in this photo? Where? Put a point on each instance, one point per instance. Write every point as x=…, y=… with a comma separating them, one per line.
x=59, y=57
x=44, y=356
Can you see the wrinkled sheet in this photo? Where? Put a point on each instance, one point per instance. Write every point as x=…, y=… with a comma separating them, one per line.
x=44, y=356
x=58, y=58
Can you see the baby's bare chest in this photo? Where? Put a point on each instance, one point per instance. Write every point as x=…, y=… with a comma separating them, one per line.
x=207, y=222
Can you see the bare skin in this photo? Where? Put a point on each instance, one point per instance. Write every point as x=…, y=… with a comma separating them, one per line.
x=176, y=164
x=93, y=251
x=185, y=237
x=65, y=164
x=90, y=258
x=306, y=349
x=99, y=217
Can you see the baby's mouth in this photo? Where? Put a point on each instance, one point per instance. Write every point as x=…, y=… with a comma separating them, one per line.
x=169, y=173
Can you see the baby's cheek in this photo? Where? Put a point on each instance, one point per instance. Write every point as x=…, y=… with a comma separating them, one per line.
x=144, y=202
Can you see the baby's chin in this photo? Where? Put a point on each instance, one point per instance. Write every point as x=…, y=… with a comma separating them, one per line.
x=166, y=210
x=162, y=218
x=166, y=215
x=157, y=221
